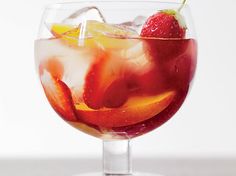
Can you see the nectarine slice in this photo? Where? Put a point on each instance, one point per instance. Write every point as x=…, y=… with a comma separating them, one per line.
x=94, y=34
x=135, y=110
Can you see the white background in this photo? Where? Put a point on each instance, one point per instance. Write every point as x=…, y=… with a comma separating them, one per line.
x=205, y=125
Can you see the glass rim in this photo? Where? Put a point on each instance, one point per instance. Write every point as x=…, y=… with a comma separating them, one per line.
x=59, y=4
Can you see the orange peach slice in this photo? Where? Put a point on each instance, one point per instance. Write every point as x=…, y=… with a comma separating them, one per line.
x=94, y=34
x=68, y=33
x=59, y=29
x=135, y=110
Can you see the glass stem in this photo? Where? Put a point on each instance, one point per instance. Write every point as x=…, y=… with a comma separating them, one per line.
x=116, y=157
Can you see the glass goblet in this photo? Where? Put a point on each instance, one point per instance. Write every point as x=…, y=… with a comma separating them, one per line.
x=103, y=76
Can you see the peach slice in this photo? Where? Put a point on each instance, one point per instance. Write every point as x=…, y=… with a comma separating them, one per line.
x=135, y=110
x=68, y=33
x=59, y=29
x=94, y=34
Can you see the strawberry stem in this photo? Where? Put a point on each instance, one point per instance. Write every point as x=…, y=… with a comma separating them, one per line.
x=182, y=5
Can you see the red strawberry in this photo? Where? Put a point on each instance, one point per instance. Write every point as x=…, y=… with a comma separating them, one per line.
x=102, y=76
x=116, y=94
x=59, y=96
x=164, y=24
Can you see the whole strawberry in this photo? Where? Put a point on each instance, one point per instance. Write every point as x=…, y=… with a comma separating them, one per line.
x=164, y=24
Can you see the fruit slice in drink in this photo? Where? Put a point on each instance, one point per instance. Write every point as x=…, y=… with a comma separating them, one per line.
x=94, y=34
x=135, y=110
x=59, y=96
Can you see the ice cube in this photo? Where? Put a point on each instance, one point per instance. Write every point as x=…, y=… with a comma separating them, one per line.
x=115, y=30
x=136, y=24
x=137, y=58
x=110, y=30
x=105, y=36
x=84, y=14
x=81, y=16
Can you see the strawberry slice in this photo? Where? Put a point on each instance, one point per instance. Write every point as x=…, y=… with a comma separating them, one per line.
x=59, y=96
x=100, y=83
x=93, y=88
x=116, y=94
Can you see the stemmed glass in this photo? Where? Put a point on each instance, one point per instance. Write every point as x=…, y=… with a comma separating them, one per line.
x=106, y=80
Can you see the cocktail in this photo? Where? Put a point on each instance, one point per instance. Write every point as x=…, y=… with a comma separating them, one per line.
x=116, y=70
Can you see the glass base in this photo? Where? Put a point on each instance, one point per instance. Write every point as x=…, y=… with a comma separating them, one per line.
x=134, y=174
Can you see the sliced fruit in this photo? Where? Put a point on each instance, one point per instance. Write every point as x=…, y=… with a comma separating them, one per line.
x=164, y=24
x=158, y=120
x=68, y=33
x=94, y=34
x=135, y=110
x=93, y=87
x=59, y=96
x=65, y=63
x=116, y=94
x=101, y=79
x=92, y=28
x=58, y=29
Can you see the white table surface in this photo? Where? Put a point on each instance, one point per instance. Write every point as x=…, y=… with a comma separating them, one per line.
x=72, y=166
